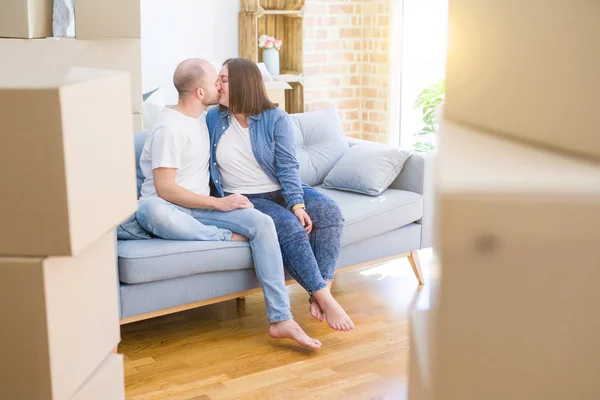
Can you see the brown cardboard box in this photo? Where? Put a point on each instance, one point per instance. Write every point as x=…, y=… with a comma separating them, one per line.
x=60, y=318
x=67, y=162
x=527, y=69
x=116, y=54
x=107, y=19
x=107, y=382
x=138, y=122
x=112, y=54
x=26, y=18
x=422, y=350
x=517, y=236
x=276, y=92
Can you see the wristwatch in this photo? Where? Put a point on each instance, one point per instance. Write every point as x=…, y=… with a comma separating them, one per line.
x=297, y=206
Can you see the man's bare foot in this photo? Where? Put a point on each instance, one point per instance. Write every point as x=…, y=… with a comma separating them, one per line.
x=334, y=313
x=315, y=310
x=291, y=330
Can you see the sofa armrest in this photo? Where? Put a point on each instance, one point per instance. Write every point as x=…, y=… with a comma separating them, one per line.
x=416, y=176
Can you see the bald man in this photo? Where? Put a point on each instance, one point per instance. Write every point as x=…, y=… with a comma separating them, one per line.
x=175, y=201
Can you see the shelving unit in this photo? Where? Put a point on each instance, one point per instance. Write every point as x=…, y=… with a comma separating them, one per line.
x=282, y=19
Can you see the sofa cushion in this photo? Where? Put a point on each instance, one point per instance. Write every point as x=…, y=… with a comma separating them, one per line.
x=365, y=217
x=320, y=143
x=379, y=166
x=157, y=259
x=368, y=216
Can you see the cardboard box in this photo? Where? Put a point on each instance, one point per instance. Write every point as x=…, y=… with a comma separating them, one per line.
x=67, y=161
x=119, y=55
x=527, y=69
x=276, y=92
x=138, y=122
x=111, y=54
x=108, y=19
x=60, y=318
x=422, y=347
x=107, y=382
x=26, y=18
x=517, y=236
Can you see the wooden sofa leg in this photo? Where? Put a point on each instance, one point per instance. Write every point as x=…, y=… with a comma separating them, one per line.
x=413, y=258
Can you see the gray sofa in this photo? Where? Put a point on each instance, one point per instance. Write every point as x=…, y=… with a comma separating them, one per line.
x=161, y=276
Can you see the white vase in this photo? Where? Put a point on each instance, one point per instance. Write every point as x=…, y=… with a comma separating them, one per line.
x=271, y=59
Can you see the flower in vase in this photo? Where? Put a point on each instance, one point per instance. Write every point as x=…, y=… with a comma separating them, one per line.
x=262, y=40
x=269, y=42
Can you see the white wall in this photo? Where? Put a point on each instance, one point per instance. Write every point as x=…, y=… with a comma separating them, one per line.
x=173, y=30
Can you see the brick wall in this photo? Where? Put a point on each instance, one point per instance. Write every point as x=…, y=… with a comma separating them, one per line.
x=346, y=47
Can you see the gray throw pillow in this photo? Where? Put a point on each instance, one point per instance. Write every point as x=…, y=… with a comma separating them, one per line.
x=320, y=143
x=366, y=169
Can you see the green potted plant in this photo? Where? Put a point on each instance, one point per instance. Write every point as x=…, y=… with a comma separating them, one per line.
x=429, y=101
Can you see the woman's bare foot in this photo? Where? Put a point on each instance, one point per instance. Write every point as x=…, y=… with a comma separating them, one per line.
x=334, y=313
x=290, y=329
x=315, y=309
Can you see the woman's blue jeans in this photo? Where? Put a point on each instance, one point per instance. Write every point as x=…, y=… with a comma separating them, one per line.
x=310, y=259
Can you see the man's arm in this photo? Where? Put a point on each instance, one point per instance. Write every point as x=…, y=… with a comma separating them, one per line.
x=167, y=189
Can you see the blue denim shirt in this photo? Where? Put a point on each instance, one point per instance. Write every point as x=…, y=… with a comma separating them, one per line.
x=272, y=139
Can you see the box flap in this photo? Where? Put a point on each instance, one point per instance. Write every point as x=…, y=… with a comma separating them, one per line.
x=277, y=85
x=36, y=63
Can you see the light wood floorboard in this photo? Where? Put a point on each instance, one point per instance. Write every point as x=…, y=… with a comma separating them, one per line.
x=222, y=351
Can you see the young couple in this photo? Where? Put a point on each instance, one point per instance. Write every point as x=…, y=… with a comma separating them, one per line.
x=246, y=147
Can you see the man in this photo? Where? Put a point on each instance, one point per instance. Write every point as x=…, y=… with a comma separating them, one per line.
x=175, y=201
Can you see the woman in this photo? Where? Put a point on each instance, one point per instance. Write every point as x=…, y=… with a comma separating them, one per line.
x=252, y=153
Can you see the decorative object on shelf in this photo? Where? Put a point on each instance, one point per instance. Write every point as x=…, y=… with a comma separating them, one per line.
x=281, y=19
x=270, y=54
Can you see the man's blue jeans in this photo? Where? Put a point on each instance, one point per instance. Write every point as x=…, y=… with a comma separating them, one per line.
x=169, y=221
x=310, y=259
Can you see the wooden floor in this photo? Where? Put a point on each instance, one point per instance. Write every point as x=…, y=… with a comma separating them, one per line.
x=222, y=351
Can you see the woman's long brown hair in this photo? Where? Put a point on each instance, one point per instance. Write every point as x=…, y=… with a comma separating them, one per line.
x=247, y=93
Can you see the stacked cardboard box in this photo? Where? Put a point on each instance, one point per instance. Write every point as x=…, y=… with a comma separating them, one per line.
x=423, y=317
x=518, y=204
x=517, y=234
x=527, y=70
x=26, y=18
x=111, y=54
x=112, y=29
x=68, y=173
x=106, y=382
x=276, y=92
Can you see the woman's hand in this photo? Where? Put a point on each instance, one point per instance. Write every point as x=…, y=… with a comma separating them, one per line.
x=304, y=219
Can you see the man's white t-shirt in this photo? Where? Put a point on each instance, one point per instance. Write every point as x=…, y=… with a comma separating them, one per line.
x=239, y=170
x=180, y=142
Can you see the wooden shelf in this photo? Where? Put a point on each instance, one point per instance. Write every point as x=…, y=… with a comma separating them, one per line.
x=285, y=13
x=282, y=19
